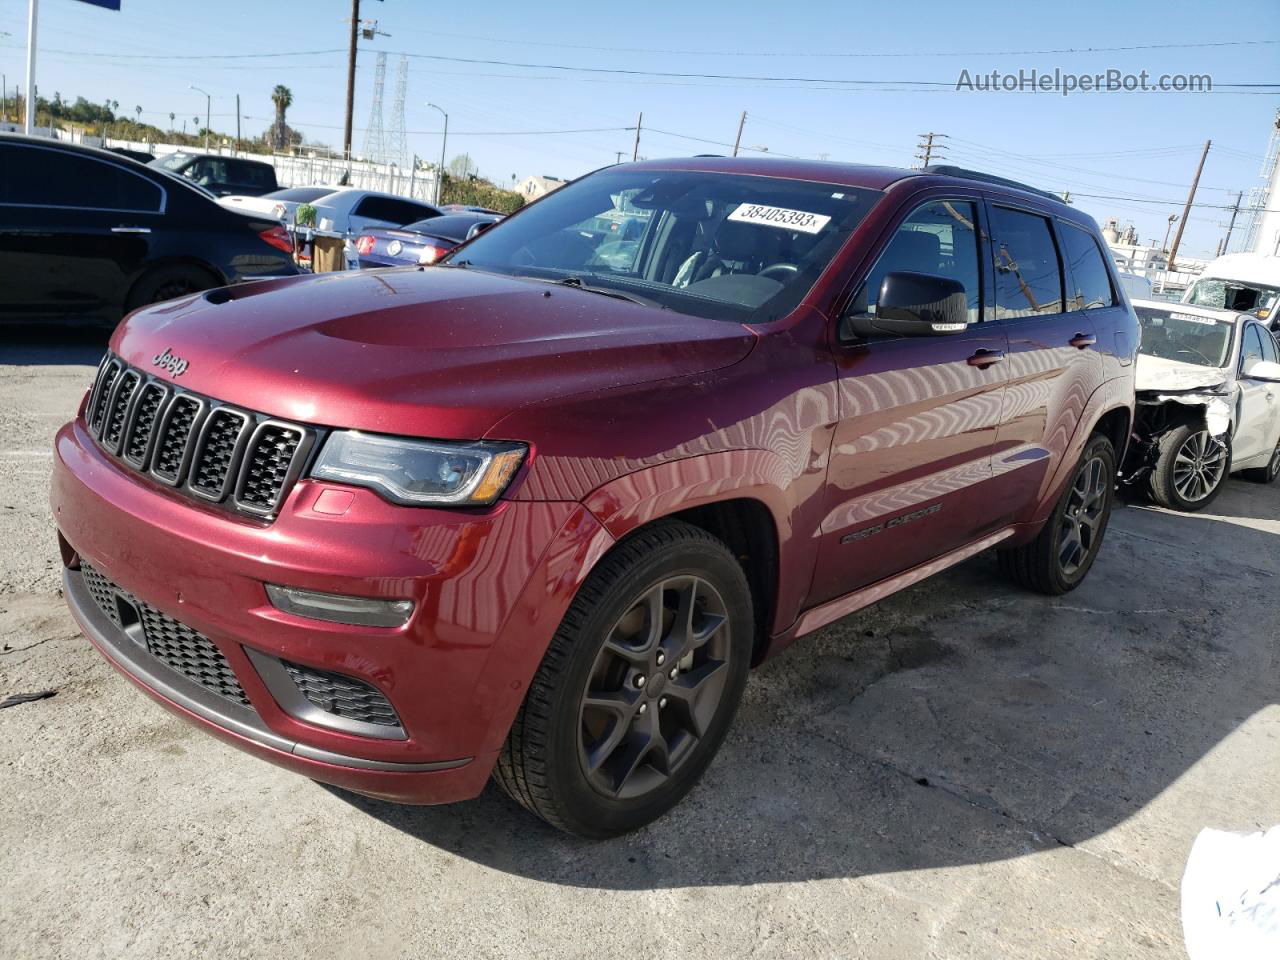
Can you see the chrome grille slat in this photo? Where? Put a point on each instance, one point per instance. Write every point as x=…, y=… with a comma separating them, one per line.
x=244, y=461
x=147, y=409
x=118, y=409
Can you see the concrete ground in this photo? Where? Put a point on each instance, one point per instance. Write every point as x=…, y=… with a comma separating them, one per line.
x=964, y=771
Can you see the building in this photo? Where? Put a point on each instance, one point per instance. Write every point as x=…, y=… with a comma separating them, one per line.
x=1148, y=261
x=531, y=188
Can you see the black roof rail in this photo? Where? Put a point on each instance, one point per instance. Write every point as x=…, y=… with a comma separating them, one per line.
x=946, y=170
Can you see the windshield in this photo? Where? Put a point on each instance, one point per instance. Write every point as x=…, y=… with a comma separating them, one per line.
x=1185, y=337
x=716, y=245
x=1255, y=298
x=172, y=162
x=300, y=194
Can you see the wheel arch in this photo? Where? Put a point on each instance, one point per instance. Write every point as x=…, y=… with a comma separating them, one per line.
x=164, y=263
x=733, y=496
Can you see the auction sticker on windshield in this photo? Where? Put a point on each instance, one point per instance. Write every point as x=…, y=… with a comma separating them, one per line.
x=780, y=217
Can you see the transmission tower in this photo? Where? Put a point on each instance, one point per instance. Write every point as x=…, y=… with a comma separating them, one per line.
x=1260, y=197
x=397, y=142
x=374, y=141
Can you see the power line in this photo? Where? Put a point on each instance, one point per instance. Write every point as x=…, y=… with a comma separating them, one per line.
x=621, y=71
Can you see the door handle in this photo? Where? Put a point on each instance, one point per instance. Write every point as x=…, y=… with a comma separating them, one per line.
x=985, y=358
x=130, y=229
x=1082, y=340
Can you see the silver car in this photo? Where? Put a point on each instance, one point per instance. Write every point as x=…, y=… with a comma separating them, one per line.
x=1208, y=387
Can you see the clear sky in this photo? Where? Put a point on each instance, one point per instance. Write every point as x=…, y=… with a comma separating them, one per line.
x=1141, y=147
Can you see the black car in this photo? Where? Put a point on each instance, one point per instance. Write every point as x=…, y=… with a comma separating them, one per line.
x=221, y=176
x=425, y=241
x=87, y=235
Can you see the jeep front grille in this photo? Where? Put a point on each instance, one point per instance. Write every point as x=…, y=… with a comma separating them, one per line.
x=244, y=461
x=174, y=644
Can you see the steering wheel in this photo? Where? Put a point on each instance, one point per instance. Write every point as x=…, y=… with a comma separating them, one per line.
x=787, y=269
x=1194, y=351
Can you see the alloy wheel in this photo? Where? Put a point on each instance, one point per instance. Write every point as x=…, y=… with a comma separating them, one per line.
x=1082, y=520
x=1198, y=466
x=654, y=688
x=1273, y=468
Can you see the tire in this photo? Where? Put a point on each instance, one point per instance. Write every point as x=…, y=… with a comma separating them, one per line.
x=1268, y=473
x=168, y=283
x=1168, y=484
x=1059, y=558
x=557, y=761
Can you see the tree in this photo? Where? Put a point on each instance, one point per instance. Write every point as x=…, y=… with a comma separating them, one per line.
x=171, y=117
x=282, y=97
x=138, y=111
x=462, y=167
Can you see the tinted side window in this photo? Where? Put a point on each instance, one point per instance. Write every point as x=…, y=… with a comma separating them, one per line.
x=1028, y=277
x=377, y=208
x=1270, y=349
x=938, y=238
x=1090, y=281
x=36, y=176
x=1252, y=348
x=253, y=173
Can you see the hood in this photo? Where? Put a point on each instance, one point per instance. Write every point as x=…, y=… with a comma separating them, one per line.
x=1157, y=373
x=440, y=352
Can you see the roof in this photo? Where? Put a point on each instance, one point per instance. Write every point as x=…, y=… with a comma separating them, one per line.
x=1246, y=267
x=1213, y=313
x=854, y=175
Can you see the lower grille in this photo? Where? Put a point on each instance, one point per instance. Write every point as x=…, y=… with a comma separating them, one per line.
x=174, y=644
x=343, y=696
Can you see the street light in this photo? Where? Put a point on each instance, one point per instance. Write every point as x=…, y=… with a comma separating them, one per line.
x=207, y=99
x=444, y=139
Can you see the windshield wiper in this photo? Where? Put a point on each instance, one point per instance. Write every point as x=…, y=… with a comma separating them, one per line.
x=577, y=284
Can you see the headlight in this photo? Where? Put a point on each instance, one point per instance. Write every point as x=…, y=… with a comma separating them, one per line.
x=419, y=472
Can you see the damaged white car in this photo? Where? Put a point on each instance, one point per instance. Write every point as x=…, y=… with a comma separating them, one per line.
x=1208, y=387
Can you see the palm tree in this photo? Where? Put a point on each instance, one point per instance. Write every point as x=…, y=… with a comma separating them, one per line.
x=282, y=97
x=171, y=116
x=138, y=111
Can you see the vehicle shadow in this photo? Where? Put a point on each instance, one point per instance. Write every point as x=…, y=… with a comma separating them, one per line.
x=962, y=721
x=52, y=345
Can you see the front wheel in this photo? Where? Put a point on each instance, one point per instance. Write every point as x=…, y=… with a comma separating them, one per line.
x=1191, y=470
x=1058, y=559
x=638, y=686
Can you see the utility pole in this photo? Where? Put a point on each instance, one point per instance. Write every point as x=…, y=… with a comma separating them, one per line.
x=237, y=124
x=29, y=120
x=444, y=140
x=351, y=79
x=927, y=148
x=737, y=141
x=618, y=154
x=1231, y=225
x=1186, y=211
x=635, y=151
x=207, y=116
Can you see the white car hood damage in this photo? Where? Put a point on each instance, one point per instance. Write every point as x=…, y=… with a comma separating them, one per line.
x=1167, y=381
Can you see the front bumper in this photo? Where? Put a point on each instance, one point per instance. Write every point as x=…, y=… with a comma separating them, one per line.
x=489, y=587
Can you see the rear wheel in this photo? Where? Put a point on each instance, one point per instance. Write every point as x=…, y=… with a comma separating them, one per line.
x=638, y=686
x=1059, y=558
x=1191, y=470
x=169, y=283
x=1268, y=473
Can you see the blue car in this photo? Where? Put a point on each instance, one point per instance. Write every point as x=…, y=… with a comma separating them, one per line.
x=424, y=241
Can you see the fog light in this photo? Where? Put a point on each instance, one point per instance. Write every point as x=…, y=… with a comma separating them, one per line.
x=337, y=608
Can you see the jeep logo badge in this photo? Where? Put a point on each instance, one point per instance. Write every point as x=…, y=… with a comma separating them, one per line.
x=169, y=361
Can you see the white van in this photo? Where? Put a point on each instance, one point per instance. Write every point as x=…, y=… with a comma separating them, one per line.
x=1245, y=282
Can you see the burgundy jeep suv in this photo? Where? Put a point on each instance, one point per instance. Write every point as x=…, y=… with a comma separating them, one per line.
x=535, y=511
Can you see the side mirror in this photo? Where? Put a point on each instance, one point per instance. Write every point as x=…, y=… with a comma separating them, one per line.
x=915, y=305
x=1263, y=370
x=478, y=228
